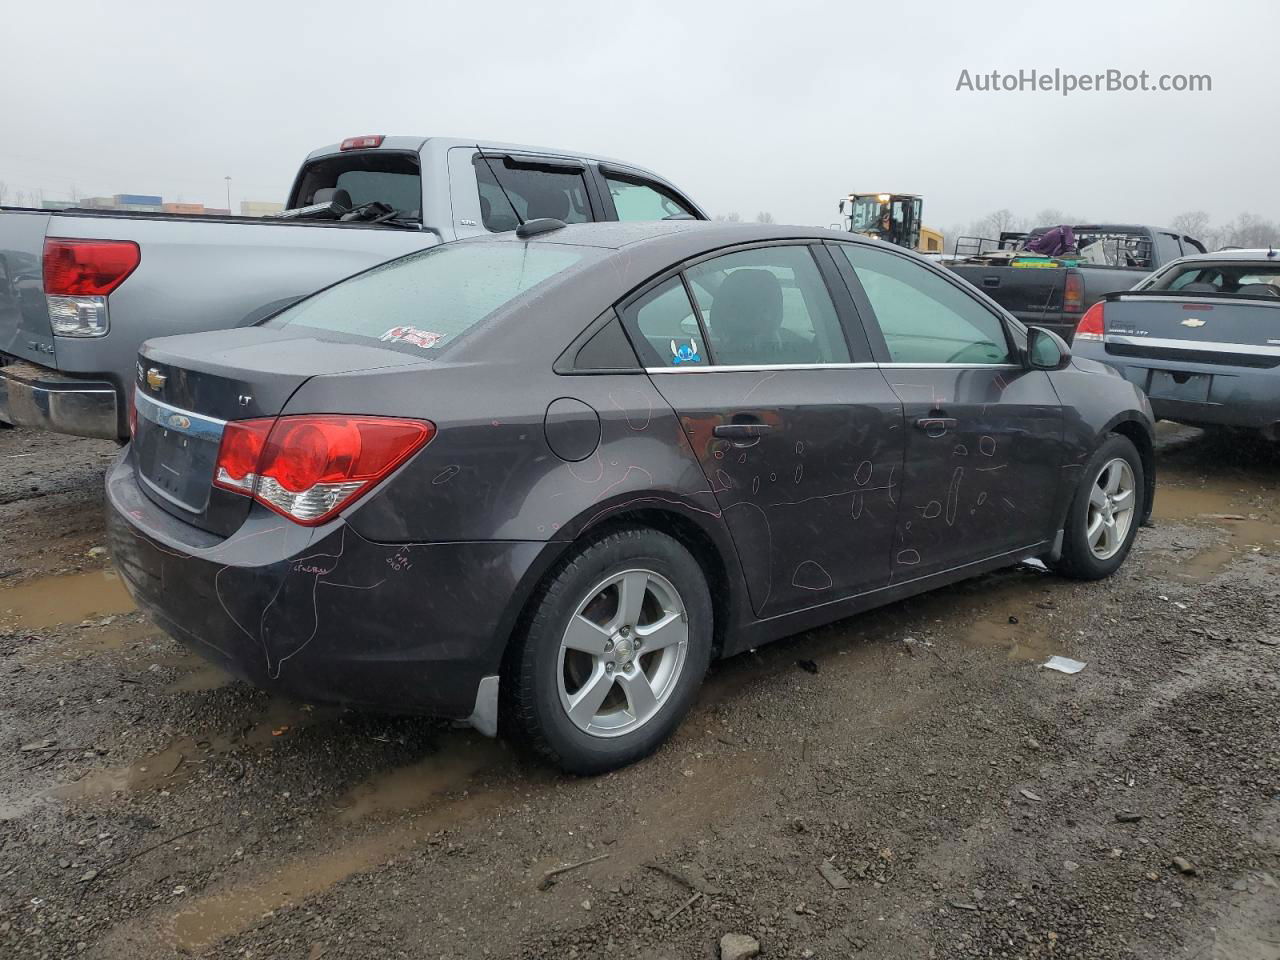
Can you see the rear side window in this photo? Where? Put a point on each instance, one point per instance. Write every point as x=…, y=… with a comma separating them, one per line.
x=664, y=328
x=637, y=200
x=531, y=192
x=426, y=299
x=923, y=317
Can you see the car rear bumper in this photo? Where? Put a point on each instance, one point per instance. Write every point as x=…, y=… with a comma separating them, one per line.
x=34, y=396
x=1208, y=394
x=323, y=614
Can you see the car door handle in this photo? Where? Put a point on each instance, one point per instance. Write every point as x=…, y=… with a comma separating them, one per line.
x=936, y=426
x=742, y=434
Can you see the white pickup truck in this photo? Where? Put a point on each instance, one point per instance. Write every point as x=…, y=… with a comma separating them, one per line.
x=80, y=290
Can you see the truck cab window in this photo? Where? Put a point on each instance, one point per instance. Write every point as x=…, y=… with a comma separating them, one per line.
x=637, y=200
x=361, y=178
x=534, y=192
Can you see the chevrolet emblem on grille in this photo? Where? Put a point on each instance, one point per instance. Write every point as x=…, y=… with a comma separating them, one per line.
x=1193, y=322
x=155, y=379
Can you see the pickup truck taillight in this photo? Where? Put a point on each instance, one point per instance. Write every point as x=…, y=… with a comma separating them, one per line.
x=310, y=467
x=1073, y=294
x=1090, y=327
x=78, y=276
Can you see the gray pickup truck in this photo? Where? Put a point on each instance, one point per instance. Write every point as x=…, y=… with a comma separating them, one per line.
x=80, y=290
x=1055, y=292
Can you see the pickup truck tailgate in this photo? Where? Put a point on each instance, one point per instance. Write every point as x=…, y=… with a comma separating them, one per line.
x=1026, y=292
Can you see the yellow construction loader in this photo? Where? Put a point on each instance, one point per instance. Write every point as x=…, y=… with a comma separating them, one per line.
x=894, y=217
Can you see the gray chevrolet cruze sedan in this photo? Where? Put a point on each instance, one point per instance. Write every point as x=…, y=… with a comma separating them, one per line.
x=540, y=479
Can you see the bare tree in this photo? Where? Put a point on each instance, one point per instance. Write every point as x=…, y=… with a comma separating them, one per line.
x=1251, y=230
x=1192, y=223
x=733, y=217
x=4, y=191
x=998, y=222
x=764, y=216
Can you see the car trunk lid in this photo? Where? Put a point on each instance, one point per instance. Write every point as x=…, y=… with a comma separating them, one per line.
x=1217, y=329
x=188, y=388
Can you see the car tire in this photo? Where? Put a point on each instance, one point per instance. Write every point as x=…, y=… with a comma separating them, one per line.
x=1090, y=552
x=575, y=685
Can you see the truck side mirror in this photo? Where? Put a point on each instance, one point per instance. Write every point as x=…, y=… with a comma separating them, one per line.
x=1046, y=350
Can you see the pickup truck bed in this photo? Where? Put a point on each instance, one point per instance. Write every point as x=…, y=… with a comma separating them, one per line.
x=1055, y=293
x=196, y=273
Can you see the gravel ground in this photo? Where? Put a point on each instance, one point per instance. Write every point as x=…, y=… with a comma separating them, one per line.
x=927, y=791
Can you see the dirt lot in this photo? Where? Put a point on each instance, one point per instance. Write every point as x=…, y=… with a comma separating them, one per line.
x=975, y=804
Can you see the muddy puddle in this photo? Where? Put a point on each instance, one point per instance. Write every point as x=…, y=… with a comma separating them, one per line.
x=411, y=787
x=81, y=644
x=1242, y=512
x=442, y=789
x=71, y=598
x=178, y=760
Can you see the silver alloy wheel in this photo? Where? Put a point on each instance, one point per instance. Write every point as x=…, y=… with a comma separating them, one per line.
x=622, y=653
x=1111, y=501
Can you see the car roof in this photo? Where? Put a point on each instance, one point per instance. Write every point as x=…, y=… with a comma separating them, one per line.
x=683, y=233
x=1262, y=255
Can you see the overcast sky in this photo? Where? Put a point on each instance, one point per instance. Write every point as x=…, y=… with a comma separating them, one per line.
x=749, y=107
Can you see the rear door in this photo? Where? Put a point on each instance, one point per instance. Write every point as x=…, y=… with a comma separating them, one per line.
x=983, y=434
x=797, y=431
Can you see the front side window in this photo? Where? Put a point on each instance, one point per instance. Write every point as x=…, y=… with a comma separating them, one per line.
x=767, y=305
x=531, y=193
x=426, y=299
x=635, y=200
x=664, y=328
x=923, y=317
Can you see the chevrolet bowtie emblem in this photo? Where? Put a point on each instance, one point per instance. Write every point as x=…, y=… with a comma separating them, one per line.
x=155, y=379
x=1193, y=322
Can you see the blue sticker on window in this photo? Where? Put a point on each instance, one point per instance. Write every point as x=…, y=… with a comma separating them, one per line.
x=685, y=352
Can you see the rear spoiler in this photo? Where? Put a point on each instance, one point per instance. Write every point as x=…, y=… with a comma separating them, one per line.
x=1193, y=296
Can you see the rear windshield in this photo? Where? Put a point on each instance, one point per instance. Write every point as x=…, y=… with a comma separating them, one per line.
x=1257, y=279
x=390, y=178
x=424, y=300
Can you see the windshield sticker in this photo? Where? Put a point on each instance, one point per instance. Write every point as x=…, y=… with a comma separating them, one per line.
x=419, y=338
x=685, y=352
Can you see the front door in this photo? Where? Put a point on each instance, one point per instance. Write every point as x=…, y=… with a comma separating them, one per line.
x=984, y=434
x=798, y=433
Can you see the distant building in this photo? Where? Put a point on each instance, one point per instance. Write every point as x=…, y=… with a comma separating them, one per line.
x=187, y=208
x=217, y=212
x=128, y=200
x=57, y=204
x=259, y=208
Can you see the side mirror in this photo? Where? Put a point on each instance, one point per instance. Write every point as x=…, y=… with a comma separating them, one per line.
x=1046, y=350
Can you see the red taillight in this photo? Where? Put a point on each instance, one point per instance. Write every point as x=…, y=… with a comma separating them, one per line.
x=238, y=456
x=87, y=267
x=1073, y=294
x=308, y=468
x=1090, y=327
x=361, y=143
